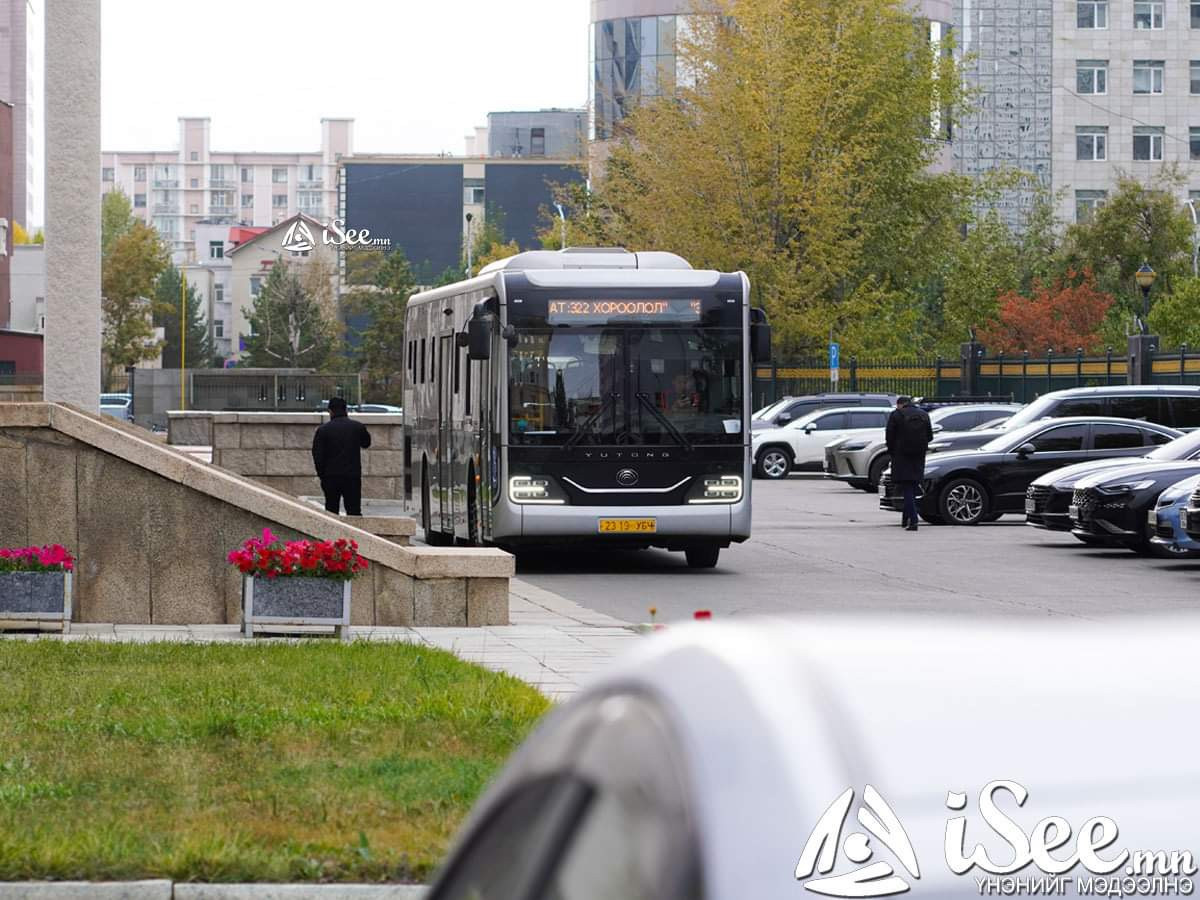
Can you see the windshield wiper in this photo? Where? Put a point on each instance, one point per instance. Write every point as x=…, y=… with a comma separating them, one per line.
x=644, y=399
x=586, y=427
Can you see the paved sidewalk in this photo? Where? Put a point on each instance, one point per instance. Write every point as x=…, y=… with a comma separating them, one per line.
x=552, y=643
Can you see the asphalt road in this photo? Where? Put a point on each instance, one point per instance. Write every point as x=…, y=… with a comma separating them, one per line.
x=819, y=546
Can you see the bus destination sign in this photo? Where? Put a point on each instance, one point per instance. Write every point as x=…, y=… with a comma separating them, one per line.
x=588, y=312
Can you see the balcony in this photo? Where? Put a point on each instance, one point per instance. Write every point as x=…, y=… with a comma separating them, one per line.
x=313, y=211
x=166, y=183
x=318, y=185
x=220, y=210
x=166, y=209
x=222, y=184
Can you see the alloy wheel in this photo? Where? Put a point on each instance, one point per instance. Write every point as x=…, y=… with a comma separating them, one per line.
x=775, y=464
x=964, y=503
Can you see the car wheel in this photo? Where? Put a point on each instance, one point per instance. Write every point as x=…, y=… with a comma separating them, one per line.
x=931, y=518
x=963, y=502
x=702, y=557
x=773, y=463
x=875, y=473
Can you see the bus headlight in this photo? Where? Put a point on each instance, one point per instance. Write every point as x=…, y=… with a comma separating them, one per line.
x=721, y=489
x=531, y=489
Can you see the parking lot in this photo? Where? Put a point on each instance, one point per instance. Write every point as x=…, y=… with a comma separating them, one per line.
x=819, y=546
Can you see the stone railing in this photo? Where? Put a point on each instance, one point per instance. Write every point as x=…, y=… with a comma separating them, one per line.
x=20, y=393
x=151, y=527
x=275, y=449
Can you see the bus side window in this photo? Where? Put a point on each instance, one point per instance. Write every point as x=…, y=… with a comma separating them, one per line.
x=457, y=364
x=467, y=408
x=422, y=360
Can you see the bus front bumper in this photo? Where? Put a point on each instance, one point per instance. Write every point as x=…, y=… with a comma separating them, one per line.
x=673, y=526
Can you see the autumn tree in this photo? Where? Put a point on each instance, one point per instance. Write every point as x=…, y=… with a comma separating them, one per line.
x=289, y=327
x=799, y=150
x=116, y=219
x=1175, y=317
x=198, y=348
x=129, y=272
x=488, y=242
x=381, y=306
x=1062, y=315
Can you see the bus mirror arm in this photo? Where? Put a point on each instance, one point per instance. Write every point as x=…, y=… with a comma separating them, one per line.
x=509, y=333
x=760, y=342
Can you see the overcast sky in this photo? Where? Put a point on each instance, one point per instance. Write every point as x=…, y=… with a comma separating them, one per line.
x=416, y=75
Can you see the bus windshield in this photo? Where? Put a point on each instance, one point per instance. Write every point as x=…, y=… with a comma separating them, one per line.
x=626, y=385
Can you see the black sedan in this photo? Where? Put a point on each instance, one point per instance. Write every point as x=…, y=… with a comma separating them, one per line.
x=970, y=486
x=1048, y=498
x=1115, y=506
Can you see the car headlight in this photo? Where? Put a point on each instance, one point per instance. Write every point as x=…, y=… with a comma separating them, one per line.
x=857, y=445
x=718, y=489
x=531, y=489
x=1126, y=487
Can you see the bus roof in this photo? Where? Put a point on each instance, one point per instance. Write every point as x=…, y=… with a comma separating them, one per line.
x=588, y=258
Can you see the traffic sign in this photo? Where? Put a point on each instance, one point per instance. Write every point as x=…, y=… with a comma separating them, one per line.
x=834, y=361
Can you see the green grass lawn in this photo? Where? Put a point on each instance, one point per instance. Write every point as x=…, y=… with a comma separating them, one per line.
x=277, y=762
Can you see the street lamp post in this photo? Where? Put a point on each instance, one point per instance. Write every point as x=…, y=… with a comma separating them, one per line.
x=1145, y=278
x=469, y=219
x=563, y=216
x=1191, y=205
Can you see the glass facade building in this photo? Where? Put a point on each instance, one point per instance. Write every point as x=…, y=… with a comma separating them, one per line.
x=631, y=58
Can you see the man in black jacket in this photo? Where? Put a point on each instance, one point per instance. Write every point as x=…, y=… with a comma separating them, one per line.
x=336, y=456
x=909, y=432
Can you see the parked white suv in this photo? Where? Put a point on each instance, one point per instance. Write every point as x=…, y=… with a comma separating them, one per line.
x=801, y=444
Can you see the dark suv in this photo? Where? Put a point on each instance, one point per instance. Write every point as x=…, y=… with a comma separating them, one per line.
x=789, y=409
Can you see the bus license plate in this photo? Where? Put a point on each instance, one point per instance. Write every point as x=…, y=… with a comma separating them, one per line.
x=628, y=526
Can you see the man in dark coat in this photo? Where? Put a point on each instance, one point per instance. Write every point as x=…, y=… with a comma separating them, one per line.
x=908, y=435
x=336, y=453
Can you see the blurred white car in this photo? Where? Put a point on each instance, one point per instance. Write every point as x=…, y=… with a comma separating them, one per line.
x=801, y=444
x=782, y=759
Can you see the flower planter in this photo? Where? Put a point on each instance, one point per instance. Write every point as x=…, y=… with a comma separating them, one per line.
x=36, y=598
x=295, y=600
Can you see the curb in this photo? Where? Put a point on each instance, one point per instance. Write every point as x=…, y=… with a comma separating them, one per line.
x=167, y=890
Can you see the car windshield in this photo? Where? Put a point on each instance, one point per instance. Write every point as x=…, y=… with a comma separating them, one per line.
x=1181, y=448
x=626, y=385
x=768, y=411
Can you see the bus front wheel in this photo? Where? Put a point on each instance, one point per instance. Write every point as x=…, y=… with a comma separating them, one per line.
x=704, y=556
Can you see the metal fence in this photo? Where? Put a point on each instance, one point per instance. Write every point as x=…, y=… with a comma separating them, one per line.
x=1021, y=377
x=265, y=391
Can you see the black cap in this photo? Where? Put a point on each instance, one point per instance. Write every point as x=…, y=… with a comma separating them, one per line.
x=337, y=405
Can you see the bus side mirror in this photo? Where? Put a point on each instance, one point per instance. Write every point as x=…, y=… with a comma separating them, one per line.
x=479, y=339
x=760, y=342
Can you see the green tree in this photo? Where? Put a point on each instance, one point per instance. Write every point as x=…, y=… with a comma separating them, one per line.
x=488, y=242
x=800, y=152
x=984, y=265
x=289, y=327
x=199, y=348
x=381, y=341
x=1175, y=317
x=129, y=272
x=116, y=219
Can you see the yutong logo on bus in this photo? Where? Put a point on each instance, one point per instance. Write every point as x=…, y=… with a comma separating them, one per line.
x=622, y=454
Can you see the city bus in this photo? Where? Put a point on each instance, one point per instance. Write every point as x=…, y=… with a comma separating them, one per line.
x=590, y=395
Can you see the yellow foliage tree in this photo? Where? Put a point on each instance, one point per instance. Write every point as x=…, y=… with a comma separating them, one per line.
x=797, y=146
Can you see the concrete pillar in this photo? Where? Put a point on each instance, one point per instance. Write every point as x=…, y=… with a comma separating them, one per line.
x=72, y=342
x=970, y=355
x=1142, y=348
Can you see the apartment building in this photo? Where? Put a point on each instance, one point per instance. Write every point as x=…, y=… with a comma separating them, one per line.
x=1126, y=97
x=177, y=190
x=21, y=85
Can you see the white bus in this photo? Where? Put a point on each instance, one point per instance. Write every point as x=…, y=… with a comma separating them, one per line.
x=583, y=394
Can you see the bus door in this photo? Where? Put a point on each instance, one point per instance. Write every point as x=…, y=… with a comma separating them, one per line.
x=445, y=441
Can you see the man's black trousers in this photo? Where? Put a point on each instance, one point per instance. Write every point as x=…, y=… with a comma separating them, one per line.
x=340, y=488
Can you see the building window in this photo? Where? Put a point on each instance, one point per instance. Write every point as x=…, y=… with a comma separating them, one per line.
x=195, y=155
x=139, y=201
x=139, y=173
x=222, y=198
x=279, y=201
x=247, y=175
x=216, y=173
x=1091, y=14
x=219, y=328
x=1148, y=76
x=247, y=199
x=216, y=249
x=1196, y=15
x=1194, y=71
x=1086, y=204
x=1091, y=142
x=1091, y=76
x=279, y=175
x=195, y=209
x=195, y=182
x=219, y=290
x=537, y=142
x=255, y=285
x=1148, y=15
x=107, y=175
x=1148, y=144
x=1194, y=143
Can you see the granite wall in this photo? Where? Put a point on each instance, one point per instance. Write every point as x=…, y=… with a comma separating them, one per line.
x=151, y=528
